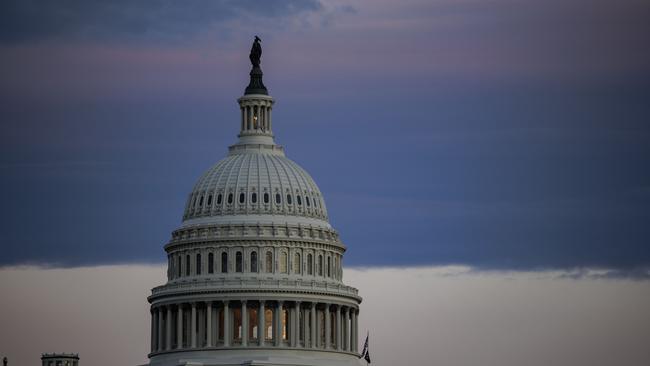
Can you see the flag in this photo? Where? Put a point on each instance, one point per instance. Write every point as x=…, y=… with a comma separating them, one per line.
x=365, y=354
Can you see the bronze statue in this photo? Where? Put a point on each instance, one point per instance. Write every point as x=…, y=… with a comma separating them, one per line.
x=256, y=52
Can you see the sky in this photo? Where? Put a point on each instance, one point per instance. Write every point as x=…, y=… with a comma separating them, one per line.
x=452, y=316
x=502, y=134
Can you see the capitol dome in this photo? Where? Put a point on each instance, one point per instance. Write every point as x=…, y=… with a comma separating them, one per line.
x=256, y=184
x=255, y=270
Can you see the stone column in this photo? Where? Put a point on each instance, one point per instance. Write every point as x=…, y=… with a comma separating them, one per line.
x=161, y=329
x=261, y=323
x=314, y=337
x=226, y=323
x=278, y=324
x=292, y=326
x=244, y=324
x=179, y=327
x=305, y=327
x=338, y=327
x=193, y=326
x=328, y=327
x=354, y=331
x=208, y=324
x=348, y=331
x=153, y=330
x=168, y=331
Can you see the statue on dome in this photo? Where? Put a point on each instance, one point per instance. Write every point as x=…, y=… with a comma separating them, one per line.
x=256, y=52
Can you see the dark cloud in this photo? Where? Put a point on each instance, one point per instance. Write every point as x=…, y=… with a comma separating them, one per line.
x=33, y=20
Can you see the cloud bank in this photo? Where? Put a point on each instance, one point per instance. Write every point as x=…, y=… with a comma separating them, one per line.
x=443, y=316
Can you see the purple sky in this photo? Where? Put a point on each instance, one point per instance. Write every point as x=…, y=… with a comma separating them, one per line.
x=499, y=134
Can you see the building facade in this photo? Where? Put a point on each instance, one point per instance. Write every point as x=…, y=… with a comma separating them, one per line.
x=60, y=359
x=254, y=273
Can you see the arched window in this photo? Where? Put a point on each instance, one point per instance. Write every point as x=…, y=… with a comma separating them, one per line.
x=329, y=267
x=320, y=265
x=254, y=262
x=209, y=200
x=239, y=266
x=254, y=197
x=198, y=264
x=288, y=199
x=210, y=263
x=230, y=198
x=178, y=268
x=299, y=200
x=268, y=263
x=310, y=265
x=219, y=198
x=201, y=201
x=242, y=197
x=296, y=263
x=224, y=262
x=278, y=198
x=266, y=198
x=307, y=201
x=284, y=265
x=187, y=265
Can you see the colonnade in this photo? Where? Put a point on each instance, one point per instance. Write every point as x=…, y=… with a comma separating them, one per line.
x=255, y=117
x=236, y=323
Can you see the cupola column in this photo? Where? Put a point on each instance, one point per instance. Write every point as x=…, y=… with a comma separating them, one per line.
x=313, y=338
x=160, y=330
x=179, y=327
x=193, y=326
x=328, y=327
x=261, y=323
x=338, y=327
x=168, y=330
x=208, y=324
x=278, y=324
x=244, y=323
x=226, y=323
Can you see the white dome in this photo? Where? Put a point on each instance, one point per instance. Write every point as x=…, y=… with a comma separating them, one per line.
x=256, y=183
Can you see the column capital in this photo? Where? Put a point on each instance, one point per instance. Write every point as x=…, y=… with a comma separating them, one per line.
x=243, y=302
x=313, y=304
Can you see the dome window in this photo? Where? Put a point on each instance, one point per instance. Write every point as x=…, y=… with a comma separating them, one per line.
x=254, y=197
x=198, y=264
x=254, y=262
x=278, y=198
x=310, y=264
x=289, y=199
x=242, y=198
x=299, y=200
x=209, y=200
x=230, y=198
x=266, y=198
x=224, y=262
x=210, y=263
x=201, y=201
x=239, y=265
x=307, y=201
x=187, y=265
x=268, y=265
x=219, y=199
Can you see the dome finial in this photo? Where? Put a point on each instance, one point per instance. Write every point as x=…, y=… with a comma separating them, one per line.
x=256, y=86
